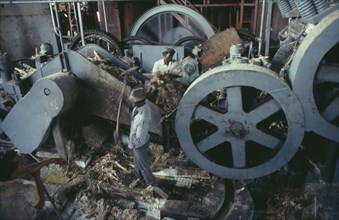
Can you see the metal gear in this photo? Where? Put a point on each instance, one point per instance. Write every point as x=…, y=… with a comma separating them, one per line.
x=240, y=142
x=99, y=37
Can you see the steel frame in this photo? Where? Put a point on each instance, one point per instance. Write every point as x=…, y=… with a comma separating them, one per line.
x=58, y=1
x=241, y=5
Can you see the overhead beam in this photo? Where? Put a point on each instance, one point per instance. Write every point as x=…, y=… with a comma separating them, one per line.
x=60, y=1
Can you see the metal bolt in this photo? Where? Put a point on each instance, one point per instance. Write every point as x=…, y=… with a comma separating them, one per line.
x=47, y=91
x=237, y=129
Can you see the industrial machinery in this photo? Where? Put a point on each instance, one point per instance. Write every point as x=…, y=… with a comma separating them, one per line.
x=305, y=97
x=263, y=107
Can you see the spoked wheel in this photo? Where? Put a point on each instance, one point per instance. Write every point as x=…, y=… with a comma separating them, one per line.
x=314, y=75
x=254, y=136
x=101, y=38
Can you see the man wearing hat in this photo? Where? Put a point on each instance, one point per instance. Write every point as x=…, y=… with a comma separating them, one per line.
x=138, y=139
x=166, y=64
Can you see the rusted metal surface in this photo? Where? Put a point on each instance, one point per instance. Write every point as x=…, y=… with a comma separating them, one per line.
x=217, y=47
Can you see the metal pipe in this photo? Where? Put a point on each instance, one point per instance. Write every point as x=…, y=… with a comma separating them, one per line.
x=53, y=20
x=81, y=24
x=268, y=27
x=76, y=20
x=261, y=25
x=105, y=18
x=58, y=27
x=255, y=17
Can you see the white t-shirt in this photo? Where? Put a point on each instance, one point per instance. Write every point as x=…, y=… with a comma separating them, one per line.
x=160, y=66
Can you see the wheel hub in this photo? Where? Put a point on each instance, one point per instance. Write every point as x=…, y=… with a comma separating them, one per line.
x=237, y=129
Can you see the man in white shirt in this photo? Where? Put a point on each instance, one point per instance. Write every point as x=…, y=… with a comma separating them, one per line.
x=166, y=64
x=138, y=139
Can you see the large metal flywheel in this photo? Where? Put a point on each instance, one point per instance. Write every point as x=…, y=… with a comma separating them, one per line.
x=314, y=75
x=259, y=131
x=168, y=24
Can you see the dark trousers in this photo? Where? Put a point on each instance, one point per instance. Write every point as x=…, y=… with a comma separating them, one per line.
x=141, y=166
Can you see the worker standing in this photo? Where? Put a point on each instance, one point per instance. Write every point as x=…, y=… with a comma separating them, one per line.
x=167, y=64
x=138, y=139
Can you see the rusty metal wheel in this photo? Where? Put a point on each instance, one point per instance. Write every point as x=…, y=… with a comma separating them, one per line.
x=257, y=134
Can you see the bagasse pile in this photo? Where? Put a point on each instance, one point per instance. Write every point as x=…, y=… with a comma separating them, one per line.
x=163, y=89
